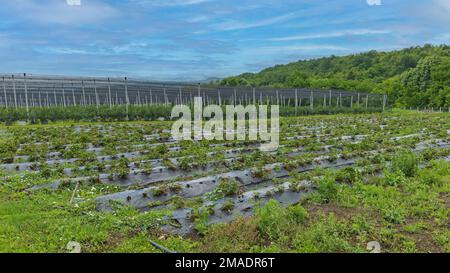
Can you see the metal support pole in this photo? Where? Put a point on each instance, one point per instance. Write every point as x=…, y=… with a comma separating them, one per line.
x=84, y=94
x=4, y=91
x=330, y=99
x=14, y=90
x=73, y=96
x=109, y=93
x=40, y=101
x=126, y=95
x=151, y=97
x=165, y=97
x=54, y=94
x=97, y=102
x=64, y=95
x=26, y=91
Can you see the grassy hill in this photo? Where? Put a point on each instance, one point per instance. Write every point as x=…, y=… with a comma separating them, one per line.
x=412, y=77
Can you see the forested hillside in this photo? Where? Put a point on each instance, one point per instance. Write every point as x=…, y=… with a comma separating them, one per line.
x=413, y=77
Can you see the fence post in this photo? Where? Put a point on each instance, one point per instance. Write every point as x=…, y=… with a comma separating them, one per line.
x=296, y=100
x=63, y=95
x=4, y=91
x=311, y=100
x=127, y=102
x=164, y=96
x=26, y=91
x=254, y=95
x=40, y=101
x=384, y=102
x=367, y=101
x=73, y=96
x=330, y=98
x=97, y=100
x=151, y=97
x=109, y=93
x=220, y=98
x=14, y=90
x=351, y=101
x=84, y=94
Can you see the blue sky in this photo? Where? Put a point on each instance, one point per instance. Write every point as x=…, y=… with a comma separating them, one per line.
x=198, y=39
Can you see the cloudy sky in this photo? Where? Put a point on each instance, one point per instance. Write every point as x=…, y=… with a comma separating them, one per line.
x=198, y=39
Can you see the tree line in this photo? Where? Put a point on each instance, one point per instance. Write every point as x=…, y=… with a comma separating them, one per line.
x=412, y=77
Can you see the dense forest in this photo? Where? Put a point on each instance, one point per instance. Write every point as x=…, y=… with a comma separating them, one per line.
x=412, y=77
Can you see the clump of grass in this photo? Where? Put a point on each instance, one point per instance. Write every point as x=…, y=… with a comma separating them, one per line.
x=406, y=162
x=298, y=213
x=274, y=219
x=348, y=175
x=326, y=235
x=327, y=188
x=394, y=178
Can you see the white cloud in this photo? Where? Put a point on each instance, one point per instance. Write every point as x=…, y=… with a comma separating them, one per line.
x=374, y=2
x=296, y=48
x=73, y=2
x=171, y=3
x=336, y=34
x=198, y=19
x=59, y=12
x=236, y=25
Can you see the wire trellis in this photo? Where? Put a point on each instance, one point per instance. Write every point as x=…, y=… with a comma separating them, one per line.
x=44, y=91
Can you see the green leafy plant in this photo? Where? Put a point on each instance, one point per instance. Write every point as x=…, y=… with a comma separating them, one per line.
x=406, y=162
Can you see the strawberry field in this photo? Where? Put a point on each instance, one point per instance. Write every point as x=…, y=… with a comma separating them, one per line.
x=336, y=183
